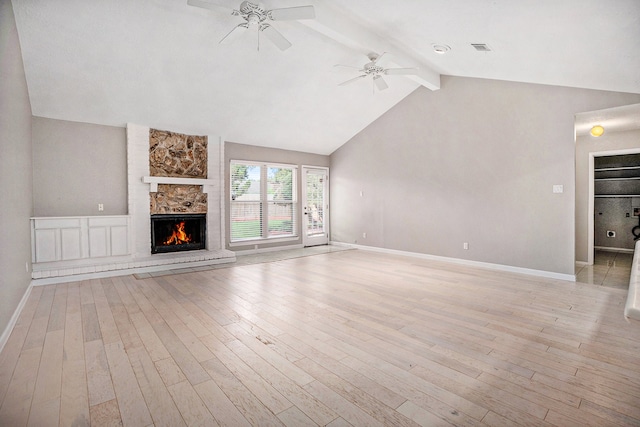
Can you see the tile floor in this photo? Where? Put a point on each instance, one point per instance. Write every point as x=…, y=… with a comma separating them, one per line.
x=609, y=268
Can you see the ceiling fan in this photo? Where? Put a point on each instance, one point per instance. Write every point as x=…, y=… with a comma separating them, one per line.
x=256, y=18
x=376, y=71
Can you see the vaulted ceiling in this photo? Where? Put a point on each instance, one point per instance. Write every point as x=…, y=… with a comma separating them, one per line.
x=159, y=62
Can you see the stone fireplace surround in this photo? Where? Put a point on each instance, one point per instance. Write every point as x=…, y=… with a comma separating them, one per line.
x=140, y=184
x=134, y=256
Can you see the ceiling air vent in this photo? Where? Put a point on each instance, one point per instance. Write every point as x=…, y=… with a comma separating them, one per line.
x=481, y=47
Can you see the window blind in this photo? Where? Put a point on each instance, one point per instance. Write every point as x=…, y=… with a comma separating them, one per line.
x=263, y=201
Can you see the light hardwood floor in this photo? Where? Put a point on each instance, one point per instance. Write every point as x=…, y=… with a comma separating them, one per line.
x=342, y=338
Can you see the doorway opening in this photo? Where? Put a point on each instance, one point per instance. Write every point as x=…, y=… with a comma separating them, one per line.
x=614, y=201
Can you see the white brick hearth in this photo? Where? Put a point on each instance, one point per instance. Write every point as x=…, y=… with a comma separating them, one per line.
x=60, y=249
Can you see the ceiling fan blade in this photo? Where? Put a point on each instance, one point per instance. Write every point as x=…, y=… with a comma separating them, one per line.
x=380, y=83
x=208, y=5
x=290, y=13
x=234, y=34
x=277, y=38
x=347, y=68
x=353, y=80
x=400, y=71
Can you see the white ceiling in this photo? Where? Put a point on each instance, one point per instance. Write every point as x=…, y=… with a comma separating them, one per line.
x=158, y=62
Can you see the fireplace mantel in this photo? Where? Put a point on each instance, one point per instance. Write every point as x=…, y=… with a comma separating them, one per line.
x=153, y=182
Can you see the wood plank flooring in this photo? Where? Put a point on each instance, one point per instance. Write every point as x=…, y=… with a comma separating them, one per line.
x=343, y=338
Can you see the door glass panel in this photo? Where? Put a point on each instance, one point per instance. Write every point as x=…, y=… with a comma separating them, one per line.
x=315, y=204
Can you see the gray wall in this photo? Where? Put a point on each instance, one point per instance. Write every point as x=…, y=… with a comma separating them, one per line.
x=76, y=166
x=234, y=151
x=15, y=169
x=584, y=146
x=473, y=162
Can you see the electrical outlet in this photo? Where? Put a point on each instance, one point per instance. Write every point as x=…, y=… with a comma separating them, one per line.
x=364, y=235
x=465, y=246
x=100, y=207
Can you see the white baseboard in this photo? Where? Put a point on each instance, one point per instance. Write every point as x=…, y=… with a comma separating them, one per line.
x=582, y=263
x=14, y=319
x=610, y=249
x=479, y=264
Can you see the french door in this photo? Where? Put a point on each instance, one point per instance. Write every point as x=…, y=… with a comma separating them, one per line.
x=315, y=206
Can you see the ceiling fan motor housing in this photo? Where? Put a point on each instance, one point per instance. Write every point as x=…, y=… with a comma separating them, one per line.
x=373, y=69
x=246, y=7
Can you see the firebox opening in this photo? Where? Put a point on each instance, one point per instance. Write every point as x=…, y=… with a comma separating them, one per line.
x=177, y=232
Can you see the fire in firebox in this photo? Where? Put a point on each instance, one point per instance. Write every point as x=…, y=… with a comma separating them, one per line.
x=178, y=237
x=177, y=232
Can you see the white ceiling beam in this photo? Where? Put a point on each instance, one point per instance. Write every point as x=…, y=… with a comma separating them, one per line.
x=335, y=24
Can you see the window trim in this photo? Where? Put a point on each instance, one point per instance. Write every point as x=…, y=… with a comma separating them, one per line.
x=264, y=203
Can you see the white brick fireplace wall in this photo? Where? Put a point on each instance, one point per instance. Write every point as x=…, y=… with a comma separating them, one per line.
x=139, y=200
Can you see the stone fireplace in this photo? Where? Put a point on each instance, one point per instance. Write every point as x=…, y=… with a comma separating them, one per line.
x=178, y=211
x=174, y=179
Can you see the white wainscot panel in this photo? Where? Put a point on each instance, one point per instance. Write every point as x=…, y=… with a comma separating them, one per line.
x=71, y=245
x=74, y=238
x=119, y=240
x=45, y=245
x=98, y=243
x=56, y=239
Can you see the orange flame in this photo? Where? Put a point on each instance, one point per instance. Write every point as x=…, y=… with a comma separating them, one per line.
x=178, y=237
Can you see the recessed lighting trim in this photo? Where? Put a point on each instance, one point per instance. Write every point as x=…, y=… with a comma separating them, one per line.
x=441, y=49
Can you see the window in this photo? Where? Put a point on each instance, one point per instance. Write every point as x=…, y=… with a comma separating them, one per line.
x=263, y=201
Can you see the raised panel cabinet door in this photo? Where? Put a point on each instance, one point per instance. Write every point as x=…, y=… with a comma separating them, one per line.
x=119, y=241
x=98, y=242
x=71, y=247
x=45, y=241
